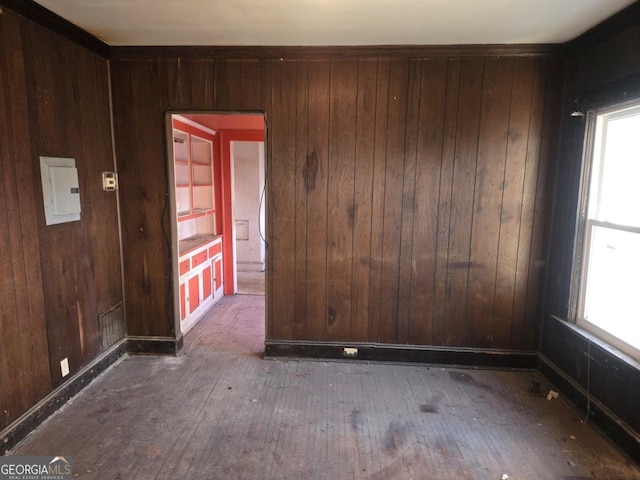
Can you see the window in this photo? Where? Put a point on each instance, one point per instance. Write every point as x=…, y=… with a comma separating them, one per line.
x=609, y=300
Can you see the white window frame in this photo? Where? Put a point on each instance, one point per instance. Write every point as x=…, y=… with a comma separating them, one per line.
x=594, y=148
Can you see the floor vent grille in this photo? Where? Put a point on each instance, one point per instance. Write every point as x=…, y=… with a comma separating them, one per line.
x=111, y=326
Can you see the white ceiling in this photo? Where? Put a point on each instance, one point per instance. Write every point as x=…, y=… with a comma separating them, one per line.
x=334, y=22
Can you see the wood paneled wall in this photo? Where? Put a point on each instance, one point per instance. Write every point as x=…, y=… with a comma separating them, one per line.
x=407, y=194
x=56, y=279
x=603, y=69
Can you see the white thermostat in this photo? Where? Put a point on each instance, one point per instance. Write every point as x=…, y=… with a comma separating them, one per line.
x=60, y=189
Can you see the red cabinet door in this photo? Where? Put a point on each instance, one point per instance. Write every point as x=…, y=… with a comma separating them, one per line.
x=183, y=305
x=218, y=277
x=194, y=293
x=206, y=283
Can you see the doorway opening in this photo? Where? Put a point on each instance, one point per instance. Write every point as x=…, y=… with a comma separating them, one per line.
x=217, y=189
x=247, y=161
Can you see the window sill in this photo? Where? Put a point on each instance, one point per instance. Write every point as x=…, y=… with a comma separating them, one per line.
x=607, y=347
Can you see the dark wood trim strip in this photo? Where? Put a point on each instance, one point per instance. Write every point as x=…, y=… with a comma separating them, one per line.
x=619, y=22
x=608, y=422
x=154, y=345
x=505, y=359
x=46, y=18
x=292, y=52
x=621, y=90
x=37, y=414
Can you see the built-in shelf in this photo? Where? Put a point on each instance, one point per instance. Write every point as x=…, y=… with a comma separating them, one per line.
x=196, y=241
x=193, y=167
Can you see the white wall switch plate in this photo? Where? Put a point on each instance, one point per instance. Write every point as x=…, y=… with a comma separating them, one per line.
x=109, y=181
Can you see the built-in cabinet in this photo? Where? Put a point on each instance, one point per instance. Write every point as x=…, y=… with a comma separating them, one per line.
x=200, y=280
x=199, y=243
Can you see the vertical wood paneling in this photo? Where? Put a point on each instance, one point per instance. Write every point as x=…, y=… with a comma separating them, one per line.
x=392, y=210
x=176, y=94
x=316, y=179
x=522, y=334
x=58, y=242
x=143, y=185
x=407, y=215
x=24, y=357
x=401, y=191
x=81, y=275
x=229, y=85
x=198, y=83
x=250, y=77
x=441, y=276
x=430, y=155
x=520, y=117
x=363, y=183
x=487, y=201
x=282, y=192
x=461, y=216
x=15, y=387
x=340, y=202
x=377, y=280
x=302, y=134
x=552, y=98
x=57, y=279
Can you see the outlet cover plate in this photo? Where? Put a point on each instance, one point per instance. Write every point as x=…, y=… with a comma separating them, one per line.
x=64, y=367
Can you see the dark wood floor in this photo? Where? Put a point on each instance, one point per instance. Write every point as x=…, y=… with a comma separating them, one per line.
x=220, y=411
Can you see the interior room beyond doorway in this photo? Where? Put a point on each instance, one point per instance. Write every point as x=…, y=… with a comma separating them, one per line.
x=218, y=176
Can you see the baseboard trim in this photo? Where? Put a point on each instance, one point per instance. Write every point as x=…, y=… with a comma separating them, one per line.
x=154, y=345
x=612, y=426
x=487, y=358
x=32, y=418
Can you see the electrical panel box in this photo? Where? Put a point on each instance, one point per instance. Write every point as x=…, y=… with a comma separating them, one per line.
x=60, y=190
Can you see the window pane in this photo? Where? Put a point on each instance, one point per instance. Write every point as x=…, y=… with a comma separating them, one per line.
x=620, y=195
x=613, y=283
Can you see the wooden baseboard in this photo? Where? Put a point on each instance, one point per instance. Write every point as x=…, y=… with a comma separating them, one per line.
x=154, y=345
x=506, y=359
x=622, y=435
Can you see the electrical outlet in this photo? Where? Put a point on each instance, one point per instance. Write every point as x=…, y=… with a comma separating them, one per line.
x=350, y=352
x=64, y=367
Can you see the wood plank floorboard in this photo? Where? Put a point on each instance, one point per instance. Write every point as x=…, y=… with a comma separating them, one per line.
x=220, y=411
